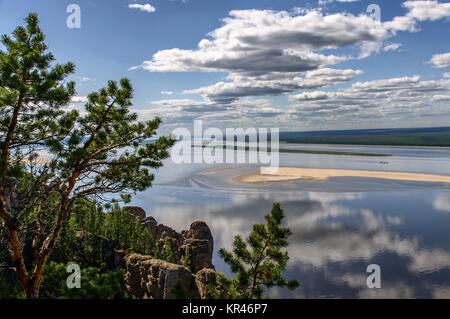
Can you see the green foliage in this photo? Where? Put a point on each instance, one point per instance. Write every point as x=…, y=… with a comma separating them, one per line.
x=168, y=253
x=164, y=249
x=91, y=235
x=9, y=290
x=229, y=285
x=125, y=229
x=212, y=292
x=107, y=145
x=94, y=155
x=94, y=285
x=32, y=90
x=5, y=288
x=141, y=240
x=259, y=261
x=178, y=291
x=187, y=262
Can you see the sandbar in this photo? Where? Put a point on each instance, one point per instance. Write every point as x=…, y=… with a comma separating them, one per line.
x=266, y=175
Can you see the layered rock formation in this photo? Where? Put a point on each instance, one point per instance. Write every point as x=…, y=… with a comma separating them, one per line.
x=197, y=240
x=147, y=277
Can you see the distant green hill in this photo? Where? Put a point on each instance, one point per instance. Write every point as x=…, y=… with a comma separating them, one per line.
x=435, y=136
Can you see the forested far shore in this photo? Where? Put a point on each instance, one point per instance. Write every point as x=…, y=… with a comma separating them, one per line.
x=433, y=137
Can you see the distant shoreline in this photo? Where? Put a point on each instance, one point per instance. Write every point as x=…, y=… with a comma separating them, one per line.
x=294, y=173
x=404, y=137
x=369, y=145
x=286, y=150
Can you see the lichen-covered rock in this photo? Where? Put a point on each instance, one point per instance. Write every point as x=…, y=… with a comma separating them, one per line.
x=198, y=240
x=199, y=230
x=136, y=211
x=161, y=231
x=149, y=222
x=201, y=254
x=203, y=278
x=149, y=278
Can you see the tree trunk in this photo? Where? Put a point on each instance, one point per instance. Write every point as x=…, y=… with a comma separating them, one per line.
x=255, y=269
x=31, y=292
x=48, y=246
x=14, y=245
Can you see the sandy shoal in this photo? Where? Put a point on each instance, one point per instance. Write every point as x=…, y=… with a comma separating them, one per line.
x=293, y=173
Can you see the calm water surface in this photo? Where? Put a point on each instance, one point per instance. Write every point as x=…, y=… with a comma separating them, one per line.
x=339, y=226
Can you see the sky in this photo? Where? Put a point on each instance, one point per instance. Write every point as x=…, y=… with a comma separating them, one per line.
x=288, y=64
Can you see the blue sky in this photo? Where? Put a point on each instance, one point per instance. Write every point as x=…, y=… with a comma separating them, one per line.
x=296, y=65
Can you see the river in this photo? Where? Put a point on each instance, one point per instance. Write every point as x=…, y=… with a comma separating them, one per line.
x=339, y=226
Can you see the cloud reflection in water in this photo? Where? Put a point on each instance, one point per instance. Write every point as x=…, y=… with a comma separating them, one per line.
x=335, y=237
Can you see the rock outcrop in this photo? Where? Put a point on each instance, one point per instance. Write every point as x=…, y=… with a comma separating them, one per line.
x=197, y=240
x=200, y=243
x=205, y=277
x=149, y=278
x=135, y=211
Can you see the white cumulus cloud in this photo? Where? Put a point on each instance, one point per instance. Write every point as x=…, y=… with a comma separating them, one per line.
x=440, y=61
x=143, y=7
x=392, y=47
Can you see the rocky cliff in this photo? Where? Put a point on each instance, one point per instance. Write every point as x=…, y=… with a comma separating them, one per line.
x=147, y=277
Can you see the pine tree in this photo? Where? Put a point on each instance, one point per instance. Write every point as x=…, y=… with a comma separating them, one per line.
x=168, y=251
x=31, y=95
x=178, y=291
x=263, y=264
x=96, y=154
x=187, y=261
